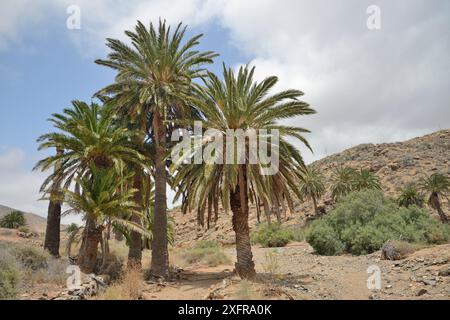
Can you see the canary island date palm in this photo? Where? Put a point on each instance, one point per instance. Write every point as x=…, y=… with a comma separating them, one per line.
x=437, y=186
x=88, y=136
x=153, y=82
x=104, y=198
x=239, y=102
x=312, y=186
x=342, y=182
x=364, y=179
x=410, y=195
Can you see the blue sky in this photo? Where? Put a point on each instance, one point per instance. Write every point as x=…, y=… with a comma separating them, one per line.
x=367, y=85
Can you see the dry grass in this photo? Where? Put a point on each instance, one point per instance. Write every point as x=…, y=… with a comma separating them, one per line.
x=207, y=253
x=128, y=288
x=247, y=291
x=271, y=264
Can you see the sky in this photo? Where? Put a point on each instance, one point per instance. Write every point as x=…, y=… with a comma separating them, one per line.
x=372, y=76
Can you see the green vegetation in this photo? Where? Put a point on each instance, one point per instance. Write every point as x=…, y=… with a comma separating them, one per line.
x=437, y=186
x=312, y=185
x=273, y=235
x=24, y=265
x=205, y=252
x=13, y=220
x=9, y=274
x=409, y=196
x=363, y=221
x=342, y=182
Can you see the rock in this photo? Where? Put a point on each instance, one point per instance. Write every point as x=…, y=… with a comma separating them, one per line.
x=444, y=272
x=429, y=282
x=391, y=250
x=421, y=292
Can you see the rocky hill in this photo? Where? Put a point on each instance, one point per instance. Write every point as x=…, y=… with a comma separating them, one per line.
x=395, y=164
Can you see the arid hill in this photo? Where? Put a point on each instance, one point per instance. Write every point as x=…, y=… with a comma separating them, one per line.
x=395, y=164
x=34, y=222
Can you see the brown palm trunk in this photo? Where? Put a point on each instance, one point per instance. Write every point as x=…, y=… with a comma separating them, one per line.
x=436, y=204
x=245, y=267
x=92, y=236
x=316, y=210
x=135, y=250
x=52, y=232
x=160, y=252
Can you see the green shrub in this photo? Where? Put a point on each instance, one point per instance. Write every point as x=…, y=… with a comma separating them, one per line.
x=273, y=235
x=9, y=274
x=30, y=257
x=363, y=221
x=206, y=252
x=13, y=220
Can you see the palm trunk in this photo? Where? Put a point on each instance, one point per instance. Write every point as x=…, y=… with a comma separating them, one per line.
x=135, y=250
x=105, y=247
x=267, y=212
x=316, y=210
x=245, y=267
x=436, y=204
x=52, y=232
x=92, y=236
x=160, y=252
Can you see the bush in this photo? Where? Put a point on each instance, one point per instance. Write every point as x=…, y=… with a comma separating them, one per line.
x=9, y=274
x=363, y=221
x=30, y=257
x=273, y=235
x=13, y=220
x=207, y=252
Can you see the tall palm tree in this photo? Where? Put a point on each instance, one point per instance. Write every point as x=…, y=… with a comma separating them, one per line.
x=364, y=179
x=89, y=137
x=409, y=195
x=153, y=84
x=342, y=182
x=104, y=199
x=312, y=186
x=52, y=231
x=437, y=186
x=240, y=103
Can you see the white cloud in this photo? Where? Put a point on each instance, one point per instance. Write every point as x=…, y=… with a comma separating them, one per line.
x=367, y=86
x=19, y=186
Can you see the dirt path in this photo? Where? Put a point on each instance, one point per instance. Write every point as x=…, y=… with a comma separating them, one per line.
x=295, y=272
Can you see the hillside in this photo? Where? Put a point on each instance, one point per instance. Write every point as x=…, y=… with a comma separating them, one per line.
x=34, y=222
x=395, y=164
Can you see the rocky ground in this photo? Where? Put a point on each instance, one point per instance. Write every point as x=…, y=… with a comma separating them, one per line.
x=295, y=272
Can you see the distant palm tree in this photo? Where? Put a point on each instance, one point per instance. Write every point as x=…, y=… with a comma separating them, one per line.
x=437, y=186
x=410, y=195
x=90, y=138
x=312, y=186
x=239, y=102
x=104, y=198
x=364, y=179
x=342, y=182
x=153, y=86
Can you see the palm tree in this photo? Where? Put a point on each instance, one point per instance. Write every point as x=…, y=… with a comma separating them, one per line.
x=437, y=185
x=90, y=138
x=409, y=195
x=240, y=103
x=104, y=198
x=342, y=183
x=52, y=231
x=312, y=186
x=153, y=85
x=364, y=179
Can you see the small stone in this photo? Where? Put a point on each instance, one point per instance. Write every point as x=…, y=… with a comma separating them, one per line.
x=429, y=282
x=388, y=286
x=421, y=292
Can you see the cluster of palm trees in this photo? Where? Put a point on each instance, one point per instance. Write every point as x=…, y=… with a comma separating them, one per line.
x=112, y=163
x=345, y=180
x=435, y=187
